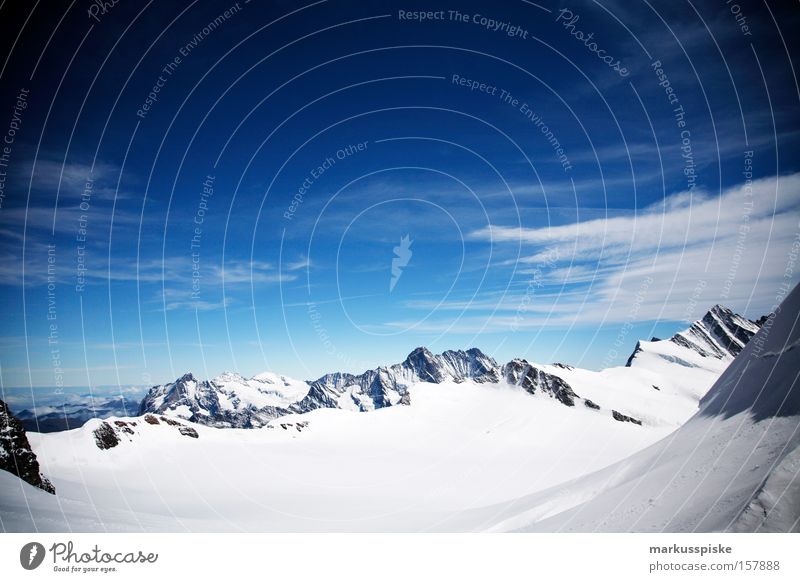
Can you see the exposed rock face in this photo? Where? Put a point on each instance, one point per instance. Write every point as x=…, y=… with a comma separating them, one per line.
x=388, y=386
x=532, y=380
x=636, y=351
x=124, y=426
x=113, y=433
x=423, y=366
x=625, y=418
x=16, y=455
x=105, y=437
x=763, y=319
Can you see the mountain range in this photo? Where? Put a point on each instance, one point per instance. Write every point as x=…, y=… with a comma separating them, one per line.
x=232, y=401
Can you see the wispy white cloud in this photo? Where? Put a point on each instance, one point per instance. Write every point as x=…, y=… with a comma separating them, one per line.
x=71, y=178
x=683, y=220
x=735, y=248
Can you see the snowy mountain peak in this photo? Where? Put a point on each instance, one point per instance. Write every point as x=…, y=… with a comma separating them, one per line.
x=425, y=365
x=455, y=365
x=388, y=385
x=228, y=377
x=229, y=400
x=719, y=334
x=420, y=353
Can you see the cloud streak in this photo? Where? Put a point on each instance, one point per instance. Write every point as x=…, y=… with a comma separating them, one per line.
x=736, y=247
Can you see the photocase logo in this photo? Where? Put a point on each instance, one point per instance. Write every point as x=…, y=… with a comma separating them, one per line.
x=400, y=260
x=31, y=555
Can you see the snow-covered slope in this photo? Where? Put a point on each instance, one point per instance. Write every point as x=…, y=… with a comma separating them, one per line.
x=400, y=468
x=732, y=466
x=663, y=383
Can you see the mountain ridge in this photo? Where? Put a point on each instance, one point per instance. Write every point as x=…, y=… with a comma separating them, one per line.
x=230, y=400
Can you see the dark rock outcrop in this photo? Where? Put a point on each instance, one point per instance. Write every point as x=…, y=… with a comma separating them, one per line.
x=16, y=455
x=113, y=433
x=105, y=437
x=625, y=418
x=636, y=351
x=188, y=431
x=763, y=319
x=532, y=379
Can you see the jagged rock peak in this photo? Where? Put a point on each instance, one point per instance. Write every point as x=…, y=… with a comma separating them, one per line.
x=16, y=455
x=532, y=379
x=425, y=365
x=388, y=386
x=636, y=350
x=419, y=353
x=455, y=365
x=721, y=333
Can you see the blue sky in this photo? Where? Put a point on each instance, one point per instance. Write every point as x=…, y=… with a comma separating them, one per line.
x=246, y=218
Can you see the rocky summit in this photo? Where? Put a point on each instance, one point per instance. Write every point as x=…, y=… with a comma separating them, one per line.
x=719, y=334
x=16, y=455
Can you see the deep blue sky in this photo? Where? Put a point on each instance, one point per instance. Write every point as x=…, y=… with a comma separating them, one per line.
x=514, y=250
